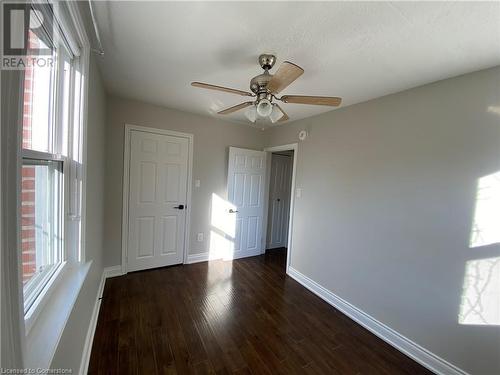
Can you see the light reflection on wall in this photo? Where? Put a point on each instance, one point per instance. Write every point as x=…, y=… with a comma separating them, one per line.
x=223, y=229
x=481, y=293
x=486, y=224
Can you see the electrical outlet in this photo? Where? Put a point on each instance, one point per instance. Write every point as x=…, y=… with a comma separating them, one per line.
x=197, y=183
x=199, y=237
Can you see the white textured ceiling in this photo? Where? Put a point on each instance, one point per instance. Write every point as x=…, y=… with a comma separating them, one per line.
x=356, y=50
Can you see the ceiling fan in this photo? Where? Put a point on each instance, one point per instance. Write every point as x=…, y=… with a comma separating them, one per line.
x=265, y=88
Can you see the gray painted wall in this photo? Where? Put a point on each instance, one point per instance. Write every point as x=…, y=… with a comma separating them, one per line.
x=212, y=138
x=70, y=348
x=388, y=198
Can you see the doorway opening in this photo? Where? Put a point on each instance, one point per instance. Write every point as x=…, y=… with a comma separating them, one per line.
x=281, y=170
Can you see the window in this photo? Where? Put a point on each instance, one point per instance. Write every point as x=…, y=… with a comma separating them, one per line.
x=51, y=174
x=43, y=227
x=39, y=82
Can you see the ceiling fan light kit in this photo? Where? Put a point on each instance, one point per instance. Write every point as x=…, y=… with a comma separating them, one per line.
x=264, y=107
x=276, y=114
x=264, y=88
x=251, y=114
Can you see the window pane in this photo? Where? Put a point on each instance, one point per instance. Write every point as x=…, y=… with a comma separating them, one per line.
x=41, y=231
x=38, y=98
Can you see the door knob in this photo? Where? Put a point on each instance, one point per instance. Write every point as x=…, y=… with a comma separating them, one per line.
x=179, y=207
x=231, y=211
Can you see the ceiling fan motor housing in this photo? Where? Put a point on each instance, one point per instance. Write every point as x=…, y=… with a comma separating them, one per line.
x=258, y=84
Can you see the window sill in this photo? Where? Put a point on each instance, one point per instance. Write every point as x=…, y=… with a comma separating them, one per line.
x=45, y=332
x=32, y=314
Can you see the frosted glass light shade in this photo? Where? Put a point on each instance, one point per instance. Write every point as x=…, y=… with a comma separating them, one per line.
x=264, y=108
x=276, y=114
x=251, y=113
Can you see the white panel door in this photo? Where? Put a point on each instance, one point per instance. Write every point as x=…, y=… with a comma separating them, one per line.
x=157, y=198
x=245, y=186
x=279, y=201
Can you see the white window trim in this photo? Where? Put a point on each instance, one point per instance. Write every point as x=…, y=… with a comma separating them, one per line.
x=33, y=312
x=85, y=68
x=33, y=154
x=42, y=342
x=43, y=323
x=49, y=281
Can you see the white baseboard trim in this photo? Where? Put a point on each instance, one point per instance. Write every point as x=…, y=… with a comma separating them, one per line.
x=196, y=258
x=89, y=339
x=113, y=271
x=204, y=257
x=398, y=341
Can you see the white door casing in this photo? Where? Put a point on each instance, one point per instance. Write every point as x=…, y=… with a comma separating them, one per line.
x=279, y=201
x=295, y=148
x=245, y=187
x=158, y=186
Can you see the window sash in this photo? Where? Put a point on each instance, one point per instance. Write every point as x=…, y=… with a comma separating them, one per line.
x=53, y=244
x=40, y=116
x=35, y=286
x=63, y=120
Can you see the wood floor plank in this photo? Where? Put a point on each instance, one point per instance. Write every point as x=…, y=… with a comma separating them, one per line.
x=239, y=317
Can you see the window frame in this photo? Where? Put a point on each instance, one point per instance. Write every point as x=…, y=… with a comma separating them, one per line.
x=35, y=286
x=73, y=249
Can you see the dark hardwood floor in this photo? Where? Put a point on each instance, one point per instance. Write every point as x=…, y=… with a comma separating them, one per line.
x=242, y=317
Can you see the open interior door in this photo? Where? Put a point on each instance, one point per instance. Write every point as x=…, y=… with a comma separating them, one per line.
x=245, y=186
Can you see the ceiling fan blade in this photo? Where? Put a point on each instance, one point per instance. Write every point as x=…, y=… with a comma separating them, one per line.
x=284, y=76
x=235, y=108
x=314, y=100
x=285, y=116
x=220, y=88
